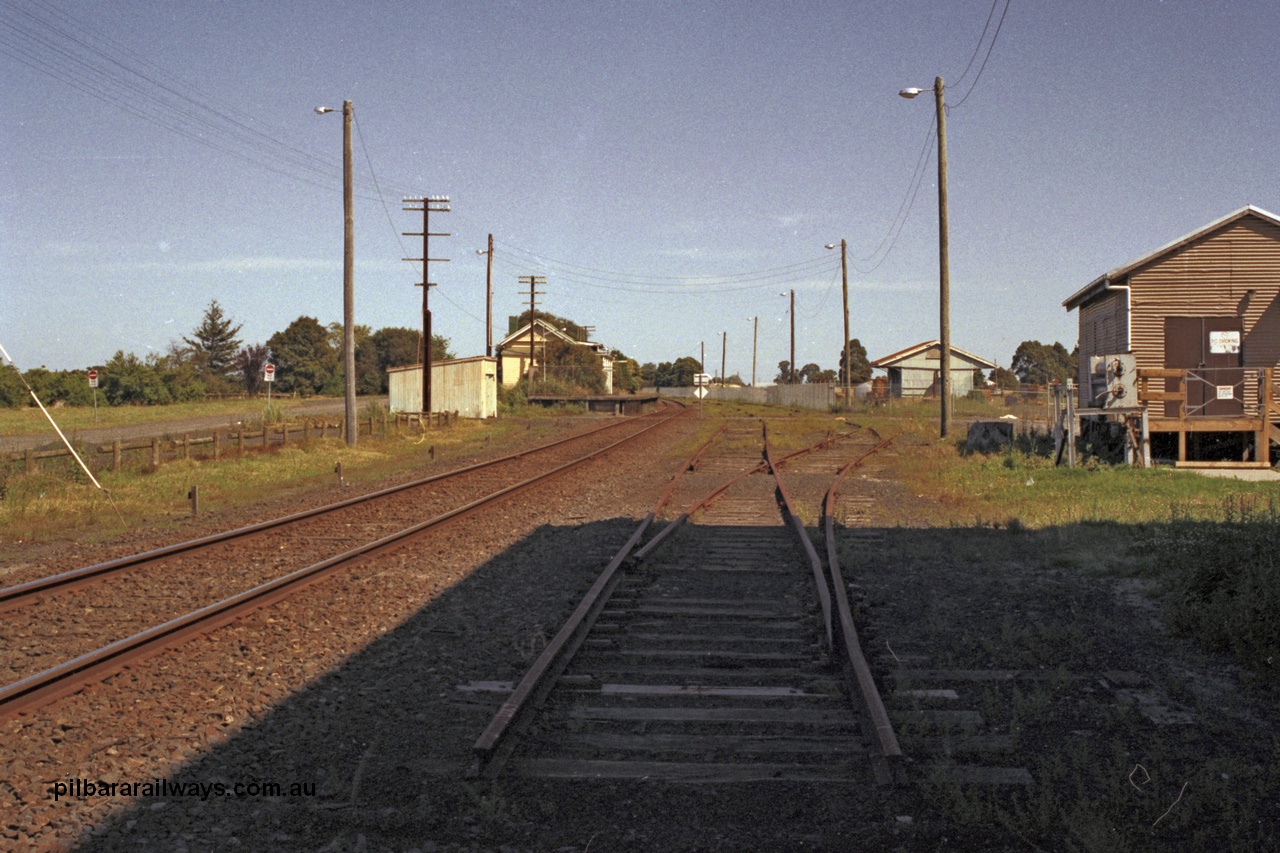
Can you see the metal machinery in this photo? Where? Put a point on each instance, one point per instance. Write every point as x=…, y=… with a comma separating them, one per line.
x=1113, y=381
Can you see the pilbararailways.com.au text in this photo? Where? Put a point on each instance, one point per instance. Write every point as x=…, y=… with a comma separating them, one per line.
x=83, y=789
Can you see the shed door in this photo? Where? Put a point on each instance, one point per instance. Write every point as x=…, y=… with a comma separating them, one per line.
x=1209, y=349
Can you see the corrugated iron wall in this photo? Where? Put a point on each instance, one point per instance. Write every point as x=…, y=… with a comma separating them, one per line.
x=1212, y=277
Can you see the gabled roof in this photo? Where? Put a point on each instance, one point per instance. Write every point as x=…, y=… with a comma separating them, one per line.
x=1101, y=283
x=903, y=355
x=544, y=328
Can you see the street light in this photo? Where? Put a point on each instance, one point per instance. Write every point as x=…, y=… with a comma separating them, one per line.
x=844, y=285
x=755, y=330
x=348, y=277
x=791, y=371
x=944, y=281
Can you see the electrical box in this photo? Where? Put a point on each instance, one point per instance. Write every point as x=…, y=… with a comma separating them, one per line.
x=1113, y=381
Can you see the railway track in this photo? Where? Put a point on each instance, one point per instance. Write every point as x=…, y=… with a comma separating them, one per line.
x=715, y=652
x=77, y=627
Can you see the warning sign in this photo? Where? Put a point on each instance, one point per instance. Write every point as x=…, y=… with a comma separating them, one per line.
x=1224, y=342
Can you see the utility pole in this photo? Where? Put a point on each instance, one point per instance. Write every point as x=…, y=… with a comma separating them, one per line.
x=944, y=272
x=430, y=204
x=791, y=378
x=724, y=345
x=534, y=282
x=348, y=283
x=844, y=284
x=488, y=302
x=348, y=276
x=755, y=336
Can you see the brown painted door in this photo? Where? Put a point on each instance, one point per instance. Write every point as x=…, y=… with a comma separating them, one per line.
x=1209, y=349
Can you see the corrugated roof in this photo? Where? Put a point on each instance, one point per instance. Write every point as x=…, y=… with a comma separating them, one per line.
x=1101, y=282
x=902, y=355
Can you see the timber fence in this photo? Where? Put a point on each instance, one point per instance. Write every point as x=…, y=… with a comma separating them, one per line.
x=217, y=444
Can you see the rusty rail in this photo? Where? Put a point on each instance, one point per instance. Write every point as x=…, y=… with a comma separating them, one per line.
x=70, y=676
x=848, y=633
x=15, y=595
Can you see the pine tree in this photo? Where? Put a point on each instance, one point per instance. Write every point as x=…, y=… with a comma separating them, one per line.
x=214, y=345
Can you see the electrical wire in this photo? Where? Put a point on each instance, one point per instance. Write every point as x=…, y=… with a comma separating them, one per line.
x=982, y=67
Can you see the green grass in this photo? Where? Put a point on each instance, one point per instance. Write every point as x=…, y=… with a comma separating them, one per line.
x=28, y=420
x=57, y=501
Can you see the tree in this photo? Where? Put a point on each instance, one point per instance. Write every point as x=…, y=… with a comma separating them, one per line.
x=127, y=380
x=784, y=373
x=570, y=328
x=626, y=373
x=572, y=366
x=1039, y=364
x=250, y=361
x=12, y=392
x=213, y=344
x=305, y=363
x=812, y=373
x=1004, y=378
x=859, y=366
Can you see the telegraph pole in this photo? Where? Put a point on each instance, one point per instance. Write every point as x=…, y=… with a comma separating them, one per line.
x=755, y=336
x=944, y=270
x=430, y=204
x=724, y=345
x=488, y=302
x=348, y=283
x=844, y=285
x=534, y=282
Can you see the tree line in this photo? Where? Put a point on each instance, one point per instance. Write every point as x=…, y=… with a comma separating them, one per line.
x=1033, y=363
x=213, y=361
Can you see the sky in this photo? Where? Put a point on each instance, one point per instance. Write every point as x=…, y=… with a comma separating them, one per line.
x=673, y=169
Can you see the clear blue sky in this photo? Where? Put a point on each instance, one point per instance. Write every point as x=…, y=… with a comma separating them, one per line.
x=669, y=167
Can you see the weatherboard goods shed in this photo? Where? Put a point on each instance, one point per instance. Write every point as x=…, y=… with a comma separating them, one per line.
x=914, y=372
x=1200, y=319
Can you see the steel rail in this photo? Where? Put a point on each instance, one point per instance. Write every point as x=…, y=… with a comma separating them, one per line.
x=710, y=498
x=16, y=595
x=848, y=632
x=42, y=687
x=815, y=563
x=495, y=743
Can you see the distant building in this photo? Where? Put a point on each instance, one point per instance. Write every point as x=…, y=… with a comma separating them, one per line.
x=515, y=358
x=915, y=371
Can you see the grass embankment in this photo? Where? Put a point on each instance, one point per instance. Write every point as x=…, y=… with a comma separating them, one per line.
x=28, y=420
x=57, y=501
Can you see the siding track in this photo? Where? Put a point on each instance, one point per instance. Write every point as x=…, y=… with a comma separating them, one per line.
x=706, y=656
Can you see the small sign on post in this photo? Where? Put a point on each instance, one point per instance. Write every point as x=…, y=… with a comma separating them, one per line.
x=93, y=383
x=268, y=376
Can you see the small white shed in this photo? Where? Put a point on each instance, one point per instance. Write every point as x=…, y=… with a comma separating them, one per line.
x=468, y=386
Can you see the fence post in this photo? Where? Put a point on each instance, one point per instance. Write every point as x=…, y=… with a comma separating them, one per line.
x=240, y=442
x=155, y=451
x=115, y=455
x=194, y=497
x=216, y=444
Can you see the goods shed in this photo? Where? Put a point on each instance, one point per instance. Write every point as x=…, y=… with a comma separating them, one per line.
x=1189, y=336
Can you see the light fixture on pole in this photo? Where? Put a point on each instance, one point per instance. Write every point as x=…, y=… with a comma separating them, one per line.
x=844, y=286
x=348, y=278
x=791, y=369
x=944, y=280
